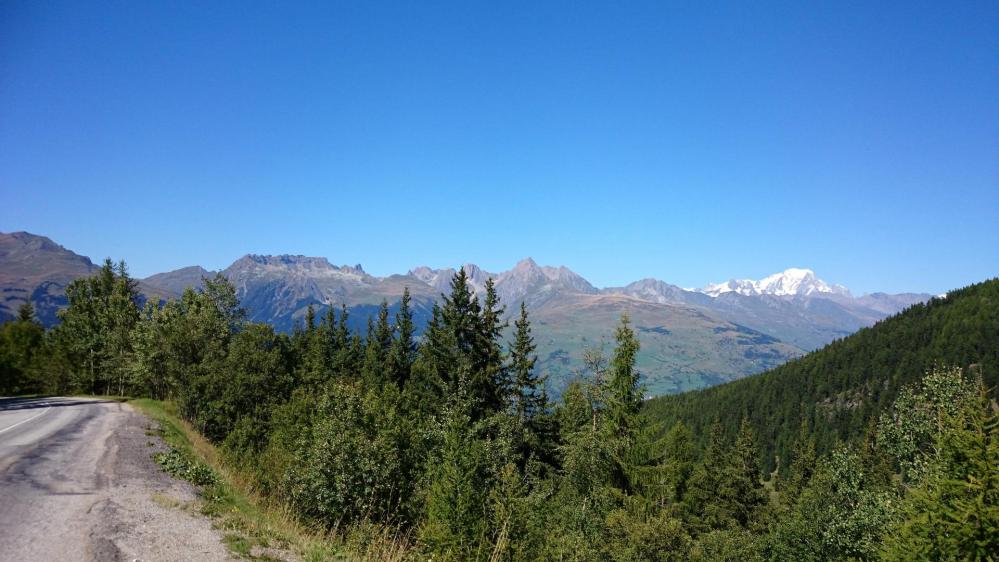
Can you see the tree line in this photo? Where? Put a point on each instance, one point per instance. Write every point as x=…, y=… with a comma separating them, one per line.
x=839, y=391
x=451, y=442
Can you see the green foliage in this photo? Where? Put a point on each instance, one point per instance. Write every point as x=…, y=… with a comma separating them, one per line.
x=182, y=466
x=729, y=545
x=93, y=340
x=635, y=537
x=624, y=395
x=908, y=430
x=840, y=389
x=348, y=467
x=679, y=454
x=455, y=524
x=953, y=514
x=725, y=490
x=451, y=443
x=529, y=397
x=803, y=462
x=403, y=347
x=21, y=353
x=841, y=514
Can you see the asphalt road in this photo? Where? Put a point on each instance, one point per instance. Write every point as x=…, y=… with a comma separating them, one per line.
x=77, y=483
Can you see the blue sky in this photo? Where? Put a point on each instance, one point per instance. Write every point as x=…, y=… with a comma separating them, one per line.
x=684, y=141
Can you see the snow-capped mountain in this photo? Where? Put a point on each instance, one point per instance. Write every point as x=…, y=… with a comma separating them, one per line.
x=790, y=282
x=689, y=339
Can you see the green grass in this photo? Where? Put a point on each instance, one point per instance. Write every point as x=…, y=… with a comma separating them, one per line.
x=248, y=523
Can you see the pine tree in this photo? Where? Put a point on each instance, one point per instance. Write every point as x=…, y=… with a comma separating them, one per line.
x=725, y=490
x=427, y=385
x=310, y=348
x=377, y=348
x=530, y=398
x=343, y=346
x=679, y=455
x=802, y=466
x=491, y=382
x=403, y=352
x=94, y=335
x=702, y=506
x=20, y=349
x=624, y=396
x=455, y=522
x=26, y=312
x=747, y=494
x=310, y=320
x=452, y=355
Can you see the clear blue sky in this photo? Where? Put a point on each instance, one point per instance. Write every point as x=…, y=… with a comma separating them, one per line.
x=683, y=141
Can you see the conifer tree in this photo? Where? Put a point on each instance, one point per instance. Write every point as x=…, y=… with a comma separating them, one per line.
x=310, y=320
x=311, y=349
x=725, y=491
x=403, y=352
x=802, y=466
x=455, y=523
x=491, y=376
x=624, y=396
x=20, y=348
x=954, y=512
x=747, y=494
x=26, y=312
x=377, y=347
x=343, y=346
x=452, y=353
x=427, y=384
x=679, y=455
x=705, y=482
x=530, y=398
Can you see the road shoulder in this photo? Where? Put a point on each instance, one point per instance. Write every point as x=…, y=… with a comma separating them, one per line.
x=146, y=514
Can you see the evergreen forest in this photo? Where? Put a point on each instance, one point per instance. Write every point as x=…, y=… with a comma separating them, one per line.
x=882, y=446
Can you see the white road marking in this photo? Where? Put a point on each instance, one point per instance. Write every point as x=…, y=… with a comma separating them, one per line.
x=25, y=421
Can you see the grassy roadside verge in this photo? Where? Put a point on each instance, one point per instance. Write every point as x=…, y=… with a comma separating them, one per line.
x=252, y=527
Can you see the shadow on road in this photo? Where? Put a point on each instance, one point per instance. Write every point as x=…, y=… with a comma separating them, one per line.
x=11, y=404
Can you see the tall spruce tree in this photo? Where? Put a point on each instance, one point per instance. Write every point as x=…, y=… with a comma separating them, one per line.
x=679, y=454
x=342, y=353
x=530, y=398
x=747, y=494
x=451, y=355
x=624, y=395
x=702, y=509
x=403, y=352
x=802, y=466
x=377, y=347
x=491, y=381
x=26, y=312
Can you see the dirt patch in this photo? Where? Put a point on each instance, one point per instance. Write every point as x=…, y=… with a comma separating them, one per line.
x=146, y=514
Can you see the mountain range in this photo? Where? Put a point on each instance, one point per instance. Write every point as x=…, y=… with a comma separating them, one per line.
x=691, y=338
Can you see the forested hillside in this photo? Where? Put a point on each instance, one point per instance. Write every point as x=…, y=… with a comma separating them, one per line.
x=448, y=447
x=839, y=390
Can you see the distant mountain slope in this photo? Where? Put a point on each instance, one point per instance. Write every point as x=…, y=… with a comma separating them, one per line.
x=793, y=306
x=841, y=388
x=279, y=289
x=682, y=348
x=690, y=338
x=177, y=281
x=34, y=268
